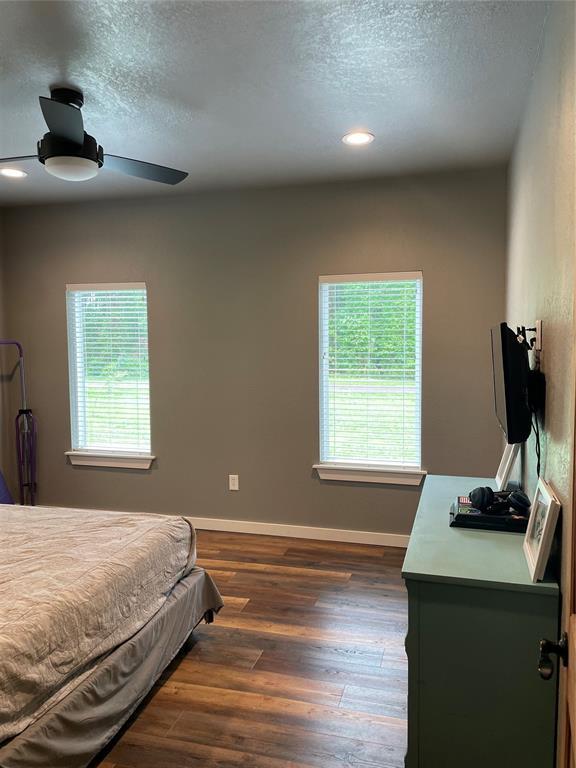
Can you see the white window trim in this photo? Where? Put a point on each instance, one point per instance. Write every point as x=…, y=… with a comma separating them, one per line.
x=93, y=287
x=369, y=473
x=91, y=457
x=362, y=473
x=370, y=276
x=110, y=459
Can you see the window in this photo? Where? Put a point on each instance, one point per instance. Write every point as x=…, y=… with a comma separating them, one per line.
x=109, y=380
x=370, y=376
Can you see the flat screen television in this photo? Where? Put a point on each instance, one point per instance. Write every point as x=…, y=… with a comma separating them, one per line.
x=511, y=369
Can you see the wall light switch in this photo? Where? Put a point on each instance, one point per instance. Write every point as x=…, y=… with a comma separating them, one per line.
x=233, y=483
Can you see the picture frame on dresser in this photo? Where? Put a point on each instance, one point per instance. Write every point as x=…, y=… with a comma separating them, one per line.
x=506, y=465
x=544, y=512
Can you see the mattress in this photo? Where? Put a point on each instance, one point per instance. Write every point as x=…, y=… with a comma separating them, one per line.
x=74, y=585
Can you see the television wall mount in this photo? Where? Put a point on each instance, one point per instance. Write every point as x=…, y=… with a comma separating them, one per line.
x=530, y=338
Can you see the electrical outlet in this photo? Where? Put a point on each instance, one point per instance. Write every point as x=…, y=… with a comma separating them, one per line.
x=233, y=483
x=538, y=342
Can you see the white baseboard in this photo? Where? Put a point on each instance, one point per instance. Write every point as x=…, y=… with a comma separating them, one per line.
x=302, y=532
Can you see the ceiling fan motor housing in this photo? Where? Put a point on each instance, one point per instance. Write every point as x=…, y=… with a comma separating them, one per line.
x=70, y=96
x=52, y=146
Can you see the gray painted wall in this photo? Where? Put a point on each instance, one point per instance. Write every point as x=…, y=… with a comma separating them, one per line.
x=541, y=271
x=232, y=281
x=8, y=373
x=5, y=377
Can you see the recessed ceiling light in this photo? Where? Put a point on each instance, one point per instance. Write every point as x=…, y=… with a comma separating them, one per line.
x=13, y=173
x=358, y=138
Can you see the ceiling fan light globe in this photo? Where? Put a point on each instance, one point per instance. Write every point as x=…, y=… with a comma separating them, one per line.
x=71, y=168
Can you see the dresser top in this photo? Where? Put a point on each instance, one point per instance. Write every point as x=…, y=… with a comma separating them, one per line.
x=437, y=552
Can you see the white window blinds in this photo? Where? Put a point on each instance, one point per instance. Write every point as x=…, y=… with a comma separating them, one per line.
x=108, y=363
x=370, y=369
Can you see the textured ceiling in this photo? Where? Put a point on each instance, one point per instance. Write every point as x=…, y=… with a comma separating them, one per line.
x=246, y=92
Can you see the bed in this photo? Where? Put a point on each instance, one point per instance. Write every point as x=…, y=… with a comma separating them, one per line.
x=93, y=606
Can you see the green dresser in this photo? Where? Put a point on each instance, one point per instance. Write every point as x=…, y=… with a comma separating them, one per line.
x=475, y=619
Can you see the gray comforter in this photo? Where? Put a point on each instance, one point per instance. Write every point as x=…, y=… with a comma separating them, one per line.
x=74, y=584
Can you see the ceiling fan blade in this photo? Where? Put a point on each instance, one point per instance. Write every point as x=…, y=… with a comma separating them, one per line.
x=63, y=121
x=16, y=159
x=143, y=170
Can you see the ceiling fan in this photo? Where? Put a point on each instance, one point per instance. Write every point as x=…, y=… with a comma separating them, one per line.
x=69, y=153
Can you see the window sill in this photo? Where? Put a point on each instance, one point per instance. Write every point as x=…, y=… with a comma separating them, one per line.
x=103, y=459
x=359, y=473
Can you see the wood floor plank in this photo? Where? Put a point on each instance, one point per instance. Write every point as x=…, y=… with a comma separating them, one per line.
x=341, y=672
x=236, y=604
x=223, y=653
x=281, y=585
x=220, y=577
x=258, y=681
x=304, y=667
x=393, y=622
x=281, y=570
x=143, y=751
x=364, y=699
x=377, y=729
x=287, y=742
x=388, y=601
x=244, y=542
x=295, y=646
x=333, y=634
x=290, y=596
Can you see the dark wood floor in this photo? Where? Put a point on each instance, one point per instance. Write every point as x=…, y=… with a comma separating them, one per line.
x=304, y=666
